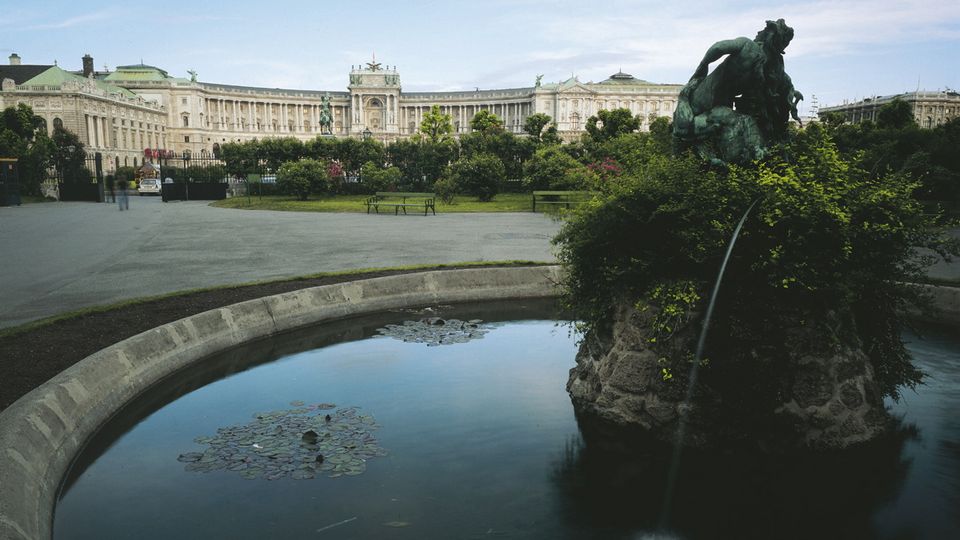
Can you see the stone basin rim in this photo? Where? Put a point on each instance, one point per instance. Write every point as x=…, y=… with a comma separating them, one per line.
x=43, y=431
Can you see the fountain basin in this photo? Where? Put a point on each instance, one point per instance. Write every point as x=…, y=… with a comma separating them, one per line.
x=42, y=432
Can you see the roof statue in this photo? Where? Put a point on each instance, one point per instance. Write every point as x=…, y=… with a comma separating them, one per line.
x=733, y=114
x=539, y=78
x=193, y=75
x=374, y=65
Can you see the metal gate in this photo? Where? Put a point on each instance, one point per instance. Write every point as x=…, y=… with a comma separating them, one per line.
x=9, y=182
x=84, y=185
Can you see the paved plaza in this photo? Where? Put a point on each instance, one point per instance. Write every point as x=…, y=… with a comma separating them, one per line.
x=58, y=257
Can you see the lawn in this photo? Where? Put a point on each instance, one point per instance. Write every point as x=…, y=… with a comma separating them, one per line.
x=504, y=202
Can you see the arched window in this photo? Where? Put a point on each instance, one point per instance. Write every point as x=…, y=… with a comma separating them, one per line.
x=43, y=124
x=186, y=120
x=57, y=123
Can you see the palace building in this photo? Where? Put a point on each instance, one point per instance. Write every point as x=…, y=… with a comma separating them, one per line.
x=930, y=109
x=134, y=107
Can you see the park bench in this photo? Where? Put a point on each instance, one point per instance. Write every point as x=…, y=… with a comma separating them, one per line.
x=565, y=198
x=399, y=200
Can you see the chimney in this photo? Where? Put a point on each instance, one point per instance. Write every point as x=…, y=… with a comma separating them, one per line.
x=14, y=59
x=87, y=65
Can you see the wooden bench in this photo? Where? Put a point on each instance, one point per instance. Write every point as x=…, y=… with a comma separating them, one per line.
x=399, y=200
x=566, y=198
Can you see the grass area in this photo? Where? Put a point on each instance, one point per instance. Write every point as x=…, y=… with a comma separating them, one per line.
x=504, y=202
x=13, y=330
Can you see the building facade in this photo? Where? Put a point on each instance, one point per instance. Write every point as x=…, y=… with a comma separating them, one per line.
x=930, y=109
x=187, y=115
x=108, y=119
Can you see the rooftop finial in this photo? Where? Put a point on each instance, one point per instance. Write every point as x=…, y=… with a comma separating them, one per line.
x=374, y=65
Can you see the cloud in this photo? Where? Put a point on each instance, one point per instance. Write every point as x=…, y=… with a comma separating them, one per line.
x=73, y=21
x=662, y=38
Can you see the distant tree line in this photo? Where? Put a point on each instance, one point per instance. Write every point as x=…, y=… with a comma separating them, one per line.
x=895, y=143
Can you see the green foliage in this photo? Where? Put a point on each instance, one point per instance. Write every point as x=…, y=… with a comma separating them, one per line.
x=897, y=144
x=480, y=175
x=611, y=124
x=375, y=178
x=70, y=157
x=23, y=136
x=354, y=153
x=826, y=238
x=276, y=151
x=632, y=151
x=512, y=151
x=485, y=120
x=534, y=126
x=552, y=168
x=436, y=126
x=446, y=190
x=302, y=177
x=895, y=115
x=661, y=133
x=421, y=162
x=241, y=159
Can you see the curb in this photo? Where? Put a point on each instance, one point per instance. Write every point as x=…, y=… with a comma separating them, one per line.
x=42, y=432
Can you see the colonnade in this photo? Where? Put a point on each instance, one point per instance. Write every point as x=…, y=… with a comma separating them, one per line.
x=267, y=116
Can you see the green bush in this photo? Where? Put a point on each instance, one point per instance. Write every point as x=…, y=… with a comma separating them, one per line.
x=825, y=240
x=552, y=168
x=375, y=178
x=302, y=177
x=480, y=175
x=445, y=188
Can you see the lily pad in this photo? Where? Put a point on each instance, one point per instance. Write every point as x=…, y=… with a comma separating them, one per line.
x=296, y=443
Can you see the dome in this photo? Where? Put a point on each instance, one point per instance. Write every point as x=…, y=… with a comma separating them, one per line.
x=623, y=78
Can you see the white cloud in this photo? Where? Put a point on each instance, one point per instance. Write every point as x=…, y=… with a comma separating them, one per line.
x=73, y=21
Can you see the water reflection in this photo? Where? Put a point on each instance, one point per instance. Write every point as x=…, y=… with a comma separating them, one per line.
x=614, y=482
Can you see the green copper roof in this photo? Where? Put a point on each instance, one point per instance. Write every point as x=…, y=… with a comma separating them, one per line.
x=621, y=78
x=137, y=72
x=55, y=76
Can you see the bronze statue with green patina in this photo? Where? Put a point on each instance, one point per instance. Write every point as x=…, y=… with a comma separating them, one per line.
x=734, y=113
x=326, y=117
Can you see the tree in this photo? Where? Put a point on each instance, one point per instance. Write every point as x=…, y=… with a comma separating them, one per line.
x=240, y=159
x=420, y=161
x=71, y=158
x=612, y=124
x=552, y=168
x=484, y=120
x=479, y=175
x=534, y=124
x=895, y=115
x=279, y=150
x=661, y=131
x=354, y=153
x=377, y=178
x=302, y=177
x=23, y=136
x=436, y=126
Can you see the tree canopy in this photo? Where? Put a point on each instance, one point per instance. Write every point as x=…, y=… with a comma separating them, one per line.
x=436, y=126
x=23, y=135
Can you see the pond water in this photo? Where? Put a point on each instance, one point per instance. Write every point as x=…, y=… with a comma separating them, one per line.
x=480, y=441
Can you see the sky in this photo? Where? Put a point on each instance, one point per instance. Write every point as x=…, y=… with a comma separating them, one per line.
x=842, y=49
